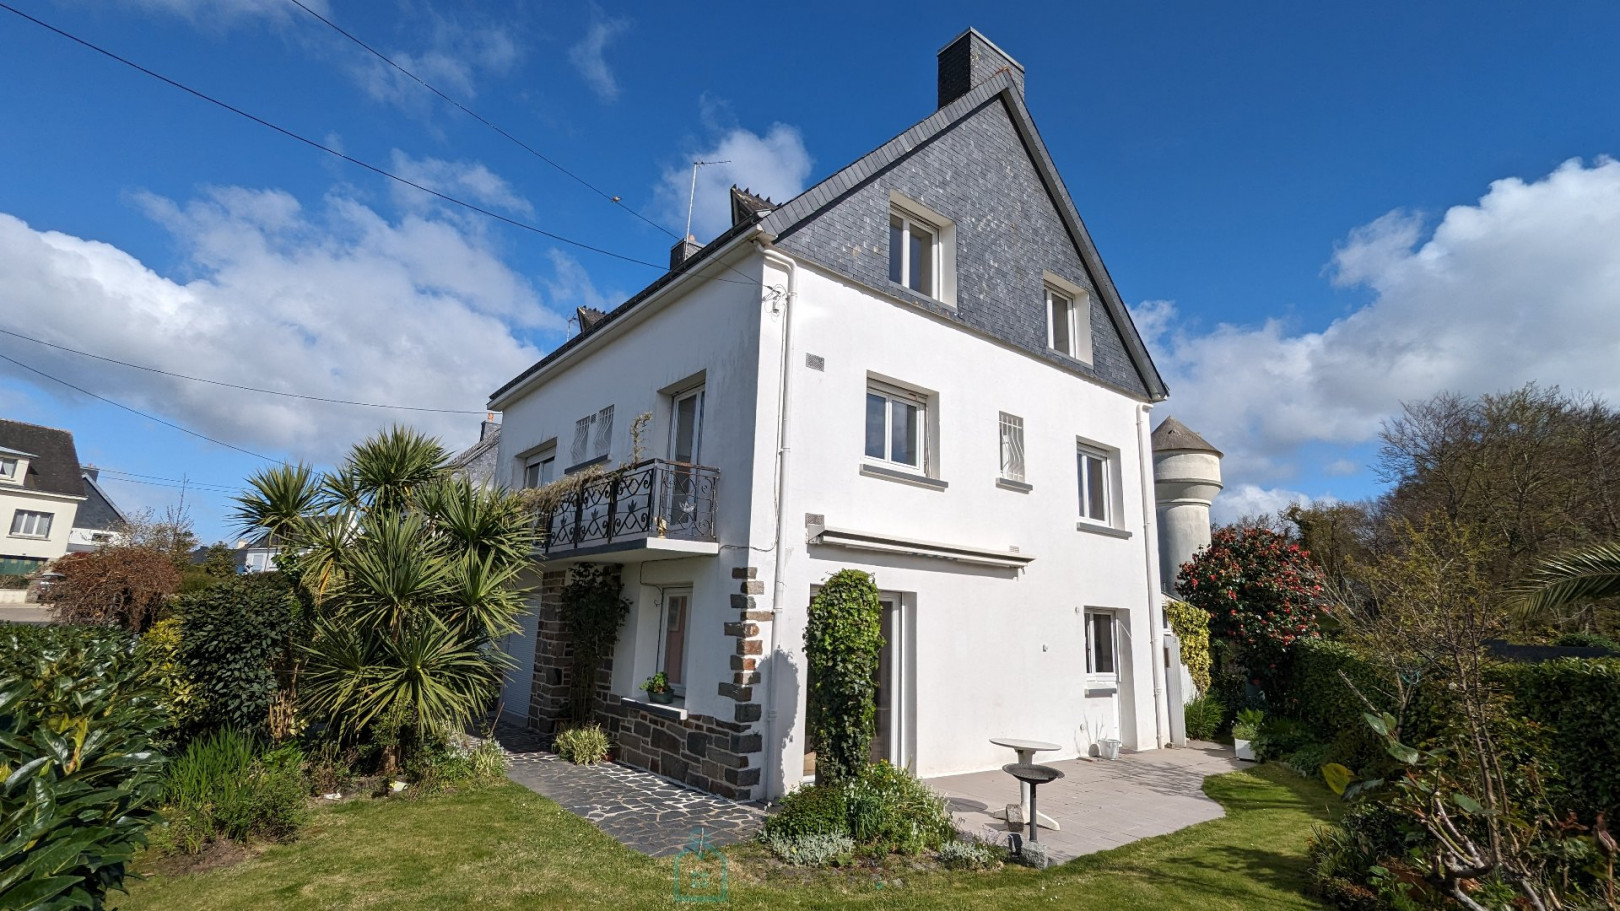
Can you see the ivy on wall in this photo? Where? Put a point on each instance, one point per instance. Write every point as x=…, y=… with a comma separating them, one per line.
x=841, y=645
x=593, y=607
x=1191, y=626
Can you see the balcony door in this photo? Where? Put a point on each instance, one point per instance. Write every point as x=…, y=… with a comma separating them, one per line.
x=891, y=739
x=685, y=443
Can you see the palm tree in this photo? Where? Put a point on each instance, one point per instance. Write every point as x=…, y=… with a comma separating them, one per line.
x=414, y=575
x=1571, y=578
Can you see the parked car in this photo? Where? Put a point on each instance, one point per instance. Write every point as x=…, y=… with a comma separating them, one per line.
x=44, y=582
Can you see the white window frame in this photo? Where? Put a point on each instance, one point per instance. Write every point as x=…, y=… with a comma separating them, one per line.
x=1095, y=677
x=661, y=657
x=535, y=471
x=25, y=524
x=1076, y=317
x=1083, y=477
x=675, y=401
x=8, y=469
x=1010, y=435
x=942, y=251
x=891, y=394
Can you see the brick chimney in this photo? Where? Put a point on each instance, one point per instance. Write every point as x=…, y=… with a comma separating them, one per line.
x=91, y=472
x=489, y=426
x=969, y=60
x=683, y=251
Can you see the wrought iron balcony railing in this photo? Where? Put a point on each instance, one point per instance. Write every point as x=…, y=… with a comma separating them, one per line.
x=652, y=499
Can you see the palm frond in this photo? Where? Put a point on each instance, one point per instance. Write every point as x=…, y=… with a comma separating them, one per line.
x=392, y=568
x=1582, y=575
x=488, y=523
x=277, y=499
x=390, y=466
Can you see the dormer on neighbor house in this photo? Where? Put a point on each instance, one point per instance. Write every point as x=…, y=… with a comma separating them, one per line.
x=40, y=493
x=918, y=368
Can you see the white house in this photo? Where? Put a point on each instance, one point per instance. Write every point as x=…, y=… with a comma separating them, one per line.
x=918, y=368
x=40, y=493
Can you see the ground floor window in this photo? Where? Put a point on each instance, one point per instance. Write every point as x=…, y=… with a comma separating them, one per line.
x=1102, y=647
x=672, y=624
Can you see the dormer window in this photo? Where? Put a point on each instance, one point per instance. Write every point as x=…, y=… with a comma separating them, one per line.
x=1068, y=319
x=8, y=469
x=921, y=250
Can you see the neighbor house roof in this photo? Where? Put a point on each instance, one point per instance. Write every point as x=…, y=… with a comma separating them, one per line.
x=98, y=511
x=53, y=465
x=1174, y=436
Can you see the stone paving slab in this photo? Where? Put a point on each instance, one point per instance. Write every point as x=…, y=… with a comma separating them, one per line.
x=1100, y=804
x=642, y=811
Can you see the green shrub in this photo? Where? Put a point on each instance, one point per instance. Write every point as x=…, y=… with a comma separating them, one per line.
x=80, y=780
x=1247, y=725
x=816, y=850
x=811, y=810
x=1191, y=626
x=455, y=761
x=234, y=636
x=586, y=745
x=159, y=653
x=971, y=854
x=891, y=811
x=1279, y=737
x=1308, y=760
x=223, y=786
x=1575, y=700
x=1318, y=697
x=13, y=582
x=1204, y=716
x=1587, y=640
x=841, y=645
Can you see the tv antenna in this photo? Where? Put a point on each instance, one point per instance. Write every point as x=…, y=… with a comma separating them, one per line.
x=692, y=196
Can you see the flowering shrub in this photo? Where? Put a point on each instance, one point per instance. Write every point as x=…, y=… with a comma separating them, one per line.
x=1262, y=594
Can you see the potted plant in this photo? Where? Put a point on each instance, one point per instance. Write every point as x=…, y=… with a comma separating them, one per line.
x=1244, y=730
x=657, y=689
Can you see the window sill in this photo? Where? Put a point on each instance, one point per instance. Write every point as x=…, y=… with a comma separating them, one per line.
x=903, y=477
x=675, y=711
x=1010, y=484
x=32, y=537
x=599, y=460
x=1098, y=689
x=1106, y=531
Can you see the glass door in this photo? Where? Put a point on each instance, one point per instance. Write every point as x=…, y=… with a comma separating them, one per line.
x=679, y=510
x=892, y=716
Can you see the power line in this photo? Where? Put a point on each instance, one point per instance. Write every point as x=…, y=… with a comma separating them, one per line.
x=198, y=379
x=191, y=487
x=139, y=413
x=152, y=477
x=516, y=223
x=617, y=201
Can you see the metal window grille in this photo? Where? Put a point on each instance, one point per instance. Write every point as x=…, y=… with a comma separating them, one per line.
x=582, y=440
x=604, y=432
x=1012, y=447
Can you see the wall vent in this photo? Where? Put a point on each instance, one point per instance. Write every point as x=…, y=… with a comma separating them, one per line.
x=815, y=362
x=814, y=519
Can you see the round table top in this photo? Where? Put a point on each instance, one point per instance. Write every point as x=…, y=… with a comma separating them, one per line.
x=1034, y=746
x=1034, y=774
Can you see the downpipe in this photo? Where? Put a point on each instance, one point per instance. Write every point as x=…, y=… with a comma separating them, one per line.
x=774, y=783
x=1150, y=560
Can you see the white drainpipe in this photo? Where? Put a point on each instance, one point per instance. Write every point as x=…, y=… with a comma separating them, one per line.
x=773, y=753
x=1150, y=555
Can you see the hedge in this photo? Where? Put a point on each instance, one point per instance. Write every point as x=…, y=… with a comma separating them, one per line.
x=1319, y=698
x=1191, y=626
x=1578, y=701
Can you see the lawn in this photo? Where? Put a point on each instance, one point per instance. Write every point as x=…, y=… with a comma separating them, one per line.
x=506, y=847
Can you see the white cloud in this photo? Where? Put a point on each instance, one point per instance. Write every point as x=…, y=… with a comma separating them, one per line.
x=468, y=180
x=1524, y=285
x=454, y=59
x=1250, y=500
x=775, y=165
x=588, y=54
x=1340, y=468
x=340, y=303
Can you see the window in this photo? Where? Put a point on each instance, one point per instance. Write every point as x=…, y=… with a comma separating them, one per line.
x=8, y=468
x=1102, y=650
x=593, y=437
x=540, y=470
x=686, y=426
x=894, y=425
x=28, y=524
x=1093, y=485
x=1068, y=319
x=913, y=254
x=1012, y=447
x=672, y=623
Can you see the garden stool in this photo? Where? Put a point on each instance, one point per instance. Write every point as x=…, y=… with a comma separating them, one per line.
x=1026, y=750
x=1032, y=776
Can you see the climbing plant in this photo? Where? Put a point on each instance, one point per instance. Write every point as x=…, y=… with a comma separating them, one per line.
x=1191, y=626
x=841, y=645
x=593, y=607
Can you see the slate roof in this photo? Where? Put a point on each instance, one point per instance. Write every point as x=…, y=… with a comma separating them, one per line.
x=98, y=512
x=54, y=463
x=747, y=205
x=1174, y=436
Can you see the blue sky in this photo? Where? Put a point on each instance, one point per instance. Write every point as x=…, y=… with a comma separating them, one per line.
x=1317, y=211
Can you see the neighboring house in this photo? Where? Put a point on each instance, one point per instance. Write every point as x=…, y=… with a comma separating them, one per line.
x=99, y=521
x=479, y=461
x=256, y=555
x=918, y=368
x=40, y=494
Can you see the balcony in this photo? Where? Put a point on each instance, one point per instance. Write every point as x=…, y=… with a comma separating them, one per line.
x=655, y=510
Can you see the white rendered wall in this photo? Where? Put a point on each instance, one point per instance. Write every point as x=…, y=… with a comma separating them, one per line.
x=63, y=510
x=999, y=653
x=714, y=330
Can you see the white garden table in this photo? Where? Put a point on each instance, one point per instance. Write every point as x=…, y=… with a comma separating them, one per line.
x=1026, y=750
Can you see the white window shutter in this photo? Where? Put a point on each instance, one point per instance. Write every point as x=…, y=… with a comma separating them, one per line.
x=1082, y=328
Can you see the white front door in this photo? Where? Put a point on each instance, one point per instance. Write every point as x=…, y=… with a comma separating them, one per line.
x=892, y=738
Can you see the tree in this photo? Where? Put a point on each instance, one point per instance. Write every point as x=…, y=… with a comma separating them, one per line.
x=123, y=585
x=841, y=645
x=411, y=576
x=1570, y=580
x=1262, y=594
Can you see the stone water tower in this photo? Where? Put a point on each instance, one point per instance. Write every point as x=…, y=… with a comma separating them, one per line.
x=1186, y=478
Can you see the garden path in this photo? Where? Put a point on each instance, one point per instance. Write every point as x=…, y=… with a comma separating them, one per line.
x=642, y=811
x=1099, y=804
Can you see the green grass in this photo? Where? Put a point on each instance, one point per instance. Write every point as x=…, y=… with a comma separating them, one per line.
x=506, y=847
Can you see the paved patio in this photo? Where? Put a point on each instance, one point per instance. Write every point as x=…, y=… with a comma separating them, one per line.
x=642, y=811
x=1099, y=804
